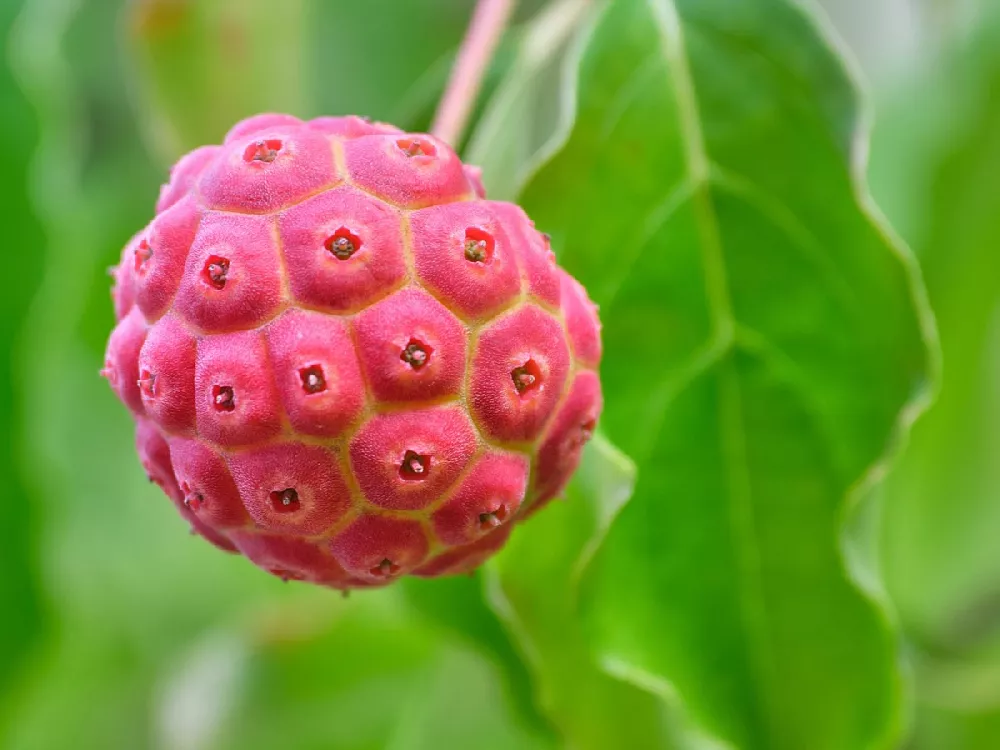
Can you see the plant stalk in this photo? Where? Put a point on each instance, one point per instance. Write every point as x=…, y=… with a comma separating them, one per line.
x=485, y=30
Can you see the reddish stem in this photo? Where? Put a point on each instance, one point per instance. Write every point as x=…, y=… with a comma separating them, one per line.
x=481, y=39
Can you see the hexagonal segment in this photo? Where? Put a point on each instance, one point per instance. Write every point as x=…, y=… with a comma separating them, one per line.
x=121, y=360
x=185, y=174
x=519, y=370
x=207, y=488
x=489, y=496
x=409, y=170
x=123, y=290
x=216, y=538
x=166, y=375
x=537, y=261
x=155, y=455
x=236, y=401
x=269, y=169
x=582, y=323
x=462, y=252
x=291, y=487
x=406, y=460
x=468, y=557
x=291, y=559
x=379, y=549
x=562, y=446
x=160, y=255
x=232, y=277
x=411, y=347
x=320, y=273
x=316, y=371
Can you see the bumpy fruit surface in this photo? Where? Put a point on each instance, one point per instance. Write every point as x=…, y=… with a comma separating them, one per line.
x=343, y=361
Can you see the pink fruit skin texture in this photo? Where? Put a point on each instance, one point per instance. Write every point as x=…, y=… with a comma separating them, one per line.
x=344, y=362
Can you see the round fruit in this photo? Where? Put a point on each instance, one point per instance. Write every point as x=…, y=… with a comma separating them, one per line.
x=343, y=361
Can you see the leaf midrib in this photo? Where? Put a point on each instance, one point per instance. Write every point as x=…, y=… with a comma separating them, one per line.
x=741, y=512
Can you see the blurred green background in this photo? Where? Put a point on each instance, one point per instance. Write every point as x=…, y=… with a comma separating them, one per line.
x=117, y=630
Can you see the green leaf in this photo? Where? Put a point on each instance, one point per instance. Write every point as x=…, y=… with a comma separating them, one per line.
x=765, y=342
x=936, y=168
x=958, y=701
x=357, y=676
x=533, y=588
x=941, y=729
x=382, y=58
x=22, y=621
x=943, y=499
x=523, y=114
x=203, y=66
x=457, y=607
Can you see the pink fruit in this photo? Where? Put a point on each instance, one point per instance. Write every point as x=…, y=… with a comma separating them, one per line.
x=344, y=362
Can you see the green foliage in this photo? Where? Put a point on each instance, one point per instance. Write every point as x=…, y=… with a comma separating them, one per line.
x=457, y=607
x=952, y=460
x=941, y=503
x=20, y=603
x=533, y=585
x=357, y=676
x=524, y=114
x=205, y=65
x=201, y=67
x=762, y=338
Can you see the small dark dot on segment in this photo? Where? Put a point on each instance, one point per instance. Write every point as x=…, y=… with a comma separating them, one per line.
x=263, y=151
x=312, y=379
x=223, y=398
x=109, y=372
x=527, y=377
x=385, y=569
x=147, y=384
x=416, y=147
x=286, y=575
x=416, y=354
x=143, y=254
x=343, y=243
x=216, y=271
x=192, y=500
x=414, y=466
x=285, y=501
x=493, y=518
x=479, y=245
x=582, y=436
x=475, y=250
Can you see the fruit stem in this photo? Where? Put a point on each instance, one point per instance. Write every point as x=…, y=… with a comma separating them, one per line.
x=485, y=29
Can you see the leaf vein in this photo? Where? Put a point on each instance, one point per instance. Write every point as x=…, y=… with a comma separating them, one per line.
x=732, y=429
x=775, y=211
x=658, y=215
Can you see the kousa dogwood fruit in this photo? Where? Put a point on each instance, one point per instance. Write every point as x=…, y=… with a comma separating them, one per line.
x=343, y=361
